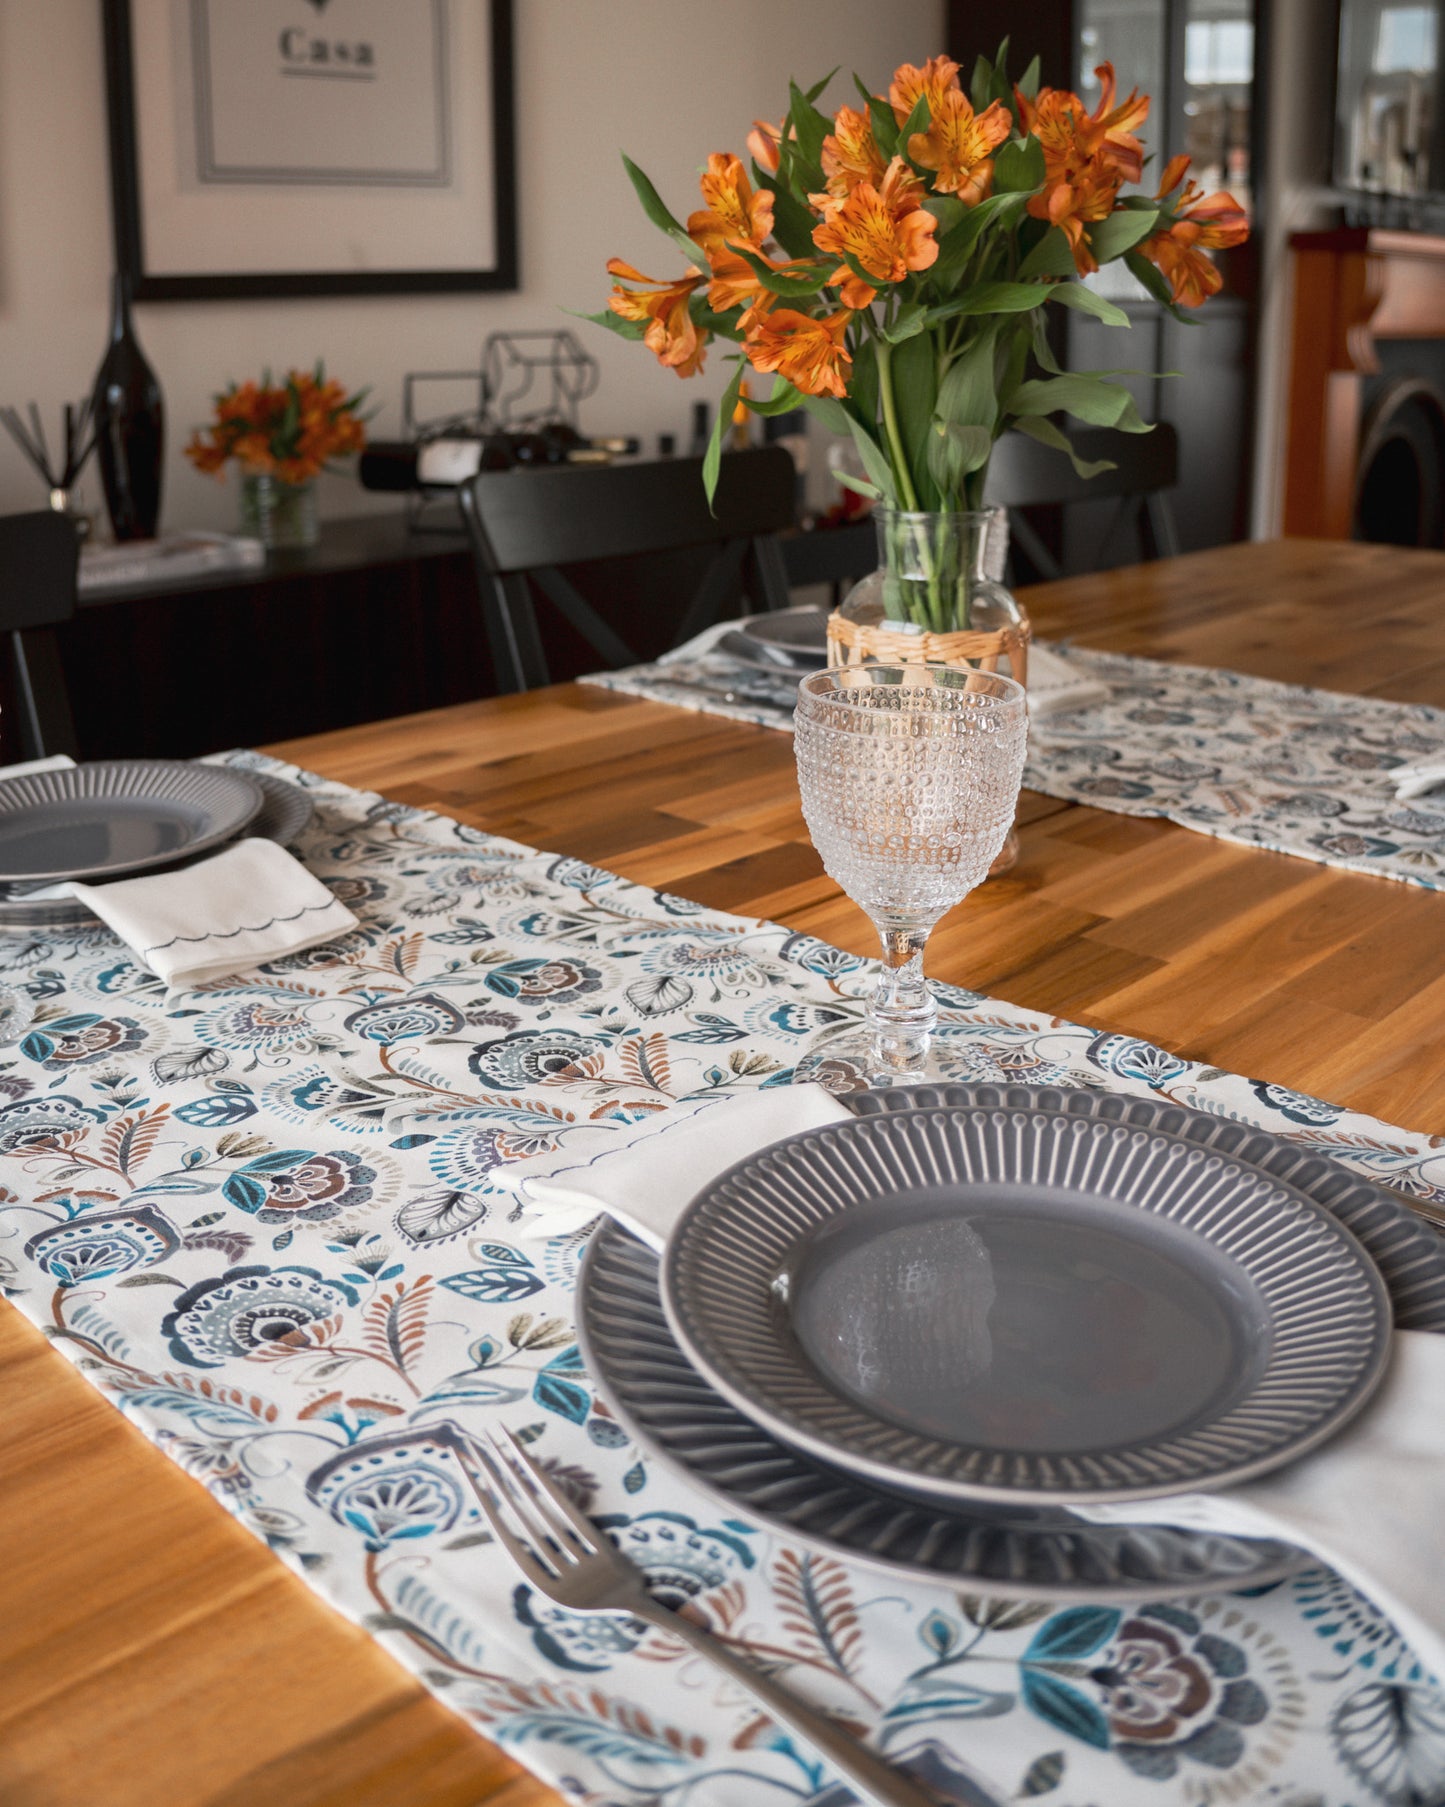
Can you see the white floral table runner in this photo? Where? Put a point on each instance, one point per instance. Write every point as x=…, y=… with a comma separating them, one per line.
x=1279, y=766
x=263, y=1217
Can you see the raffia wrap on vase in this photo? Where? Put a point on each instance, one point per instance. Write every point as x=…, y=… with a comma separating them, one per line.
x=859, y=643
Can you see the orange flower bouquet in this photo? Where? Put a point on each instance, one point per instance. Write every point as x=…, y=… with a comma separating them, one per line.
x=291, y=430
x=892, y=265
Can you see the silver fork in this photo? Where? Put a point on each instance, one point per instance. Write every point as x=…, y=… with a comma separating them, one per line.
x=564, y=1556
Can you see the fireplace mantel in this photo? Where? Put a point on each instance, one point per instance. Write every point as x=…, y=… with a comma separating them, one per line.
x=1352, y=287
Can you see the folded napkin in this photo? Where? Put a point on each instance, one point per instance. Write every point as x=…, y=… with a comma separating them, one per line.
x=1367, y=1503
x=1415, y=780
x=1055, y=686
x=646, y=1173
x=250, y=903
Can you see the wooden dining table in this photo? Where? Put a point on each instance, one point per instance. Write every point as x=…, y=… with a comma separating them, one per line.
x=152, y=1654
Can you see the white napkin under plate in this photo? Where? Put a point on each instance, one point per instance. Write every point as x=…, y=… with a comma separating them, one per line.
x=1413, y=781
x=1368, y=1503
x=249, y=903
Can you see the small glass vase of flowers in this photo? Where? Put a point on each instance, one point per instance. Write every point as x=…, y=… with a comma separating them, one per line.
x=282, y=435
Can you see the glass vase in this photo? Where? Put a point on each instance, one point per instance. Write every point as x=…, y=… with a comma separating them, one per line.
x=938, y=574
x=281, y=515
x=938, y=596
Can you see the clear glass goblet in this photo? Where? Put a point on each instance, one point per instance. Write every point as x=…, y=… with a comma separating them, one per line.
x=909, y=776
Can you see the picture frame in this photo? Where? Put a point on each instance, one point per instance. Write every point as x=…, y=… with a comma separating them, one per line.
x=280, y=148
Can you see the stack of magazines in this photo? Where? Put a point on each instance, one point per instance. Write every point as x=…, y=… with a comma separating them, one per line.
x=172, y=557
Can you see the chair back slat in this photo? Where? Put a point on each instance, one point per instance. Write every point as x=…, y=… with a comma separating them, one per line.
x=39, y=560
x=1025, y=474
x=569, y=514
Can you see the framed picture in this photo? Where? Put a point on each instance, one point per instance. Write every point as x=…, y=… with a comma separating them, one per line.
x=311, y=147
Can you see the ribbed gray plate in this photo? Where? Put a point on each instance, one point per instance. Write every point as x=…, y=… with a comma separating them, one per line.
x=673, y=1413
x=1020, y=1306
x=113, y=816
x=285, y=811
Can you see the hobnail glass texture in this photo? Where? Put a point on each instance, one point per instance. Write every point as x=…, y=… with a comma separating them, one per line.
x=909, y=778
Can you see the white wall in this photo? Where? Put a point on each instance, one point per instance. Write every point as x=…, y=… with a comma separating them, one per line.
x=667, y=80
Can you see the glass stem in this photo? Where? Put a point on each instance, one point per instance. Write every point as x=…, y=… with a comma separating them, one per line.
x=901, y=1012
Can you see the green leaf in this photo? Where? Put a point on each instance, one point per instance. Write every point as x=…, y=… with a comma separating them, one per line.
x=885, y=126
x=827, y=408
x=1119, y=233
x=980, y=89
x=968, y=393
x=915, y=390
x=793, y=222
x=956, y=245
x=1085, y=301
x=1028, y=82
x=1049, y=434
x=776, y=283
x=1018, y=166
x=911, y=318
x=625, y=329
x=863, y=388
x=1087, y=398
x=860, y=487
x=708, y=320
x=655, y=209
x=810, y=128
x=1157, y=284
x=712, y=458
x=954, y=451
x=877, y=466
x=991, y=298
x=784, y=399
x=818, y=87
x=1051, y=256
x=948, y=210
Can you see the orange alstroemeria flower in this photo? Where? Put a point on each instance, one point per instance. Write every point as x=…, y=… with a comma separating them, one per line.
x=937, y=77
x=1071, y=136
x=958, y=143
x=1201, y=223
x=671, y=332
x=808, y=353
x=764, y=143
x=1087, y=157
x=733, y=214
x=883, y=229
x=851, y=154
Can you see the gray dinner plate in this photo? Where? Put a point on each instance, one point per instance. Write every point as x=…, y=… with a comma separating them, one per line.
x=801, y=633
x=1022, y=1306
x=680, y=1421
x=114, y=816
x=285, y=811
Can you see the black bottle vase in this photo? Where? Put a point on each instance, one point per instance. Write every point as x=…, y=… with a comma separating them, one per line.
x=129, y=427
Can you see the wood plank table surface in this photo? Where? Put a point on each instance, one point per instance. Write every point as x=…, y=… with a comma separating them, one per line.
x=153, y=1655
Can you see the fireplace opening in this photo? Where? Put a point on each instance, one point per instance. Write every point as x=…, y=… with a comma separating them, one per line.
x=1400, y=489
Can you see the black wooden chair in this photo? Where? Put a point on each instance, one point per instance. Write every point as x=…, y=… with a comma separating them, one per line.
x=1024, y=474
x=39, y=560
x=526, y=523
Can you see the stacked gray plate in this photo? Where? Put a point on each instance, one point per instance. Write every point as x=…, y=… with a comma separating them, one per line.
x=1232, y=1322
x=113, y=818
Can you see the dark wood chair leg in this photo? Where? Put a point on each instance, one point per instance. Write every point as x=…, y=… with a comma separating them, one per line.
x=772, y=572
x=717, y=588
x=46, y=724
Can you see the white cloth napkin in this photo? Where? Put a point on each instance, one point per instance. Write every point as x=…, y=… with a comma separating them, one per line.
x=1368, y=1503
x=644, y=1174
x=1415, y=780
x=250, y=903
x=1056, y=686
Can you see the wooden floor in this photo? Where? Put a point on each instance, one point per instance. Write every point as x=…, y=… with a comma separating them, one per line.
x=152, y=1655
